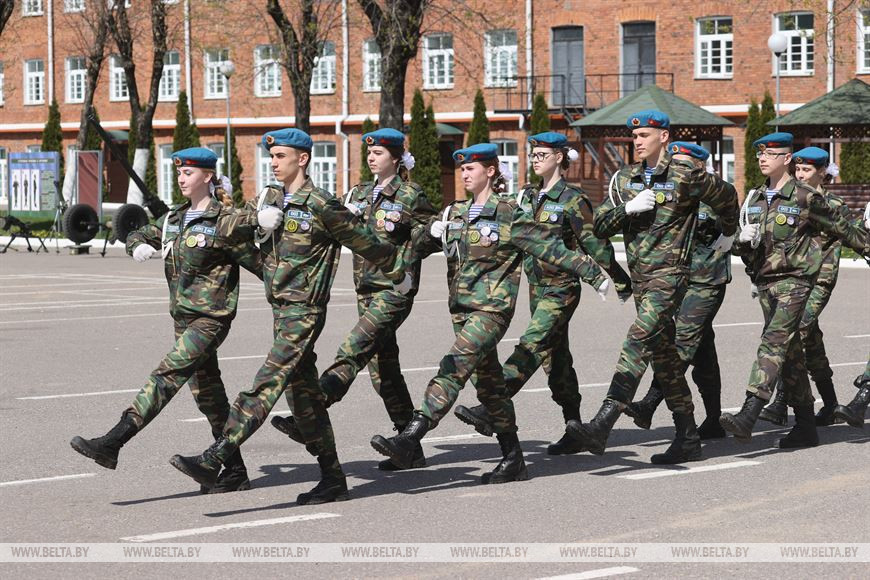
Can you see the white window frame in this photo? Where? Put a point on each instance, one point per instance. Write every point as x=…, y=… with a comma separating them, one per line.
x=166, y=173
x=118, y=90
x=218, y=149
x=264, y=168
x=74, y=85
x=705, y=42
x=32, y=8
x=4, y=175
x=34, y=83
x=34, y=148
x=2, y=82
x=323, y=74
x=438, y=62
x=371, y=66
x=215, y=83
x=805, y=38
x=513, y=161
x=862, y=59
x=170, y=81
x=267, y=71
x=70, y=6
x=500, y=58
x=323, y=168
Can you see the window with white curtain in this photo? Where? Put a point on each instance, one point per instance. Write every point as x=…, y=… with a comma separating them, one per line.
x=264, y=169
x=73, y=5
x=863, y=41
x=218, y=149
x=500, y=58
x=508, y=152
x=166, y=177
x=31, y=8
x=34, y=82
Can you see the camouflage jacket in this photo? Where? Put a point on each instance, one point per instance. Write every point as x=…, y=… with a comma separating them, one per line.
x=565, y=213
x=791, y=226
x=659, y=242
x=487, y=253
x=831, y=246
x=709, y=267
x=202, y=268
x=400, y=209
x=300, y=258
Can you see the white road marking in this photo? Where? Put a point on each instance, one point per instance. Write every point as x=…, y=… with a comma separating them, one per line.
x=114, y=316
x=600, y=573
x=224, y=527
x=699, y=469
x=854, y=364
x=69, y=395
x=411, y=370
x=547, y=389
x=201, y=419
x=510, y=340
x=737, y=324
x=247, y=356
x=452, y=438
x=45, y=479
x=856, y=336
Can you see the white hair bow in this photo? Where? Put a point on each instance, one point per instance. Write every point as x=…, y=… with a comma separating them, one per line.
x=408, y=160
x=505, y=169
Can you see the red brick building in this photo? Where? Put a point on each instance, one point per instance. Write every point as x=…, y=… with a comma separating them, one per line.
x=581, y=54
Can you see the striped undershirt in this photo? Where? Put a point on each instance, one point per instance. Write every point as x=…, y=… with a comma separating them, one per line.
x=541, y=196
x=474, y=211
x=191, y=215
x=647, y=174
x=770, y=193
x=376, y=192
x=287, y=196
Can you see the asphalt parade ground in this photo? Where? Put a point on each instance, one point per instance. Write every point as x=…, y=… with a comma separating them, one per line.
x=80, y=334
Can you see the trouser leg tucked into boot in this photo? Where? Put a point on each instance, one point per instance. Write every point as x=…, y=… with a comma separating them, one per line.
x=512, y=466
x=104, y=450
x=710, y=427
x=686, y=445
x=234, y=476
x=567, y=445
x=401, y=448
x=593, y=435
x=777, y=411
x=418, y=460
x=853, y=413
x=804, y=433
x=825, y=416
x=205, y=467
x=332, y=485
x=642, y=411
x=741, y=424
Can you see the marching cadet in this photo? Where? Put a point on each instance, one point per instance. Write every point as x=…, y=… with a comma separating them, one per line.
x=695, y=338
x=201, y=263
x=299, y=262
x=393, y=208
x=561, y=212
x=811, y=168
x=781, y=222
x=484, y=238
x=853, y=413
x=654, y=204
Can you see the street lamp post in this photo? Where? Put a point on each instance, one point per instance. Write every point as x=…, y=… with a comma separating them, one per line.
x=777, y=43
x=228, y=69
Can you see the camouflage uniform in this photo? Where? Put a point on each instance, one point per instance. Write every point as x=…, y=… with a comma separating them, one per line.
x=785, y=266
x=202, y=271
x=659, y=249
x=484, y=277
x=563, y=212
x=299, y=263
x=400, y=209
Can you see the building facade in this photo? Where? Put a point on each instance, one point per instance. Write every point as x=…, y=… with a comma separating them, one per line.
x=582, y=54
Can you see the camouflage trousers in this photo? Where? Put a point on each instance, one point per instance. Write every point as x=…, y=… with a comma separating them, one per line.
x=695, y=337
x=864, y=379
x=546, y=340
x=373, y=341
x=193, y=360
x=289, y=368
x=780, y=354
x=651, y=340
x=812, y=337
x=474, y=352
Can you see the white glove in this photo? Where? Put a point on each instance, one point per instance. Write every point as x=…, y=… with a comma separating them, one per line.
x=437, y=228
x=753, y=290
x=749, y=233
x=405, y=285
x=723, y=243
x=270, y=218
x=643, y=201
x=602, y=290
x=143, y=252
x=352, y=208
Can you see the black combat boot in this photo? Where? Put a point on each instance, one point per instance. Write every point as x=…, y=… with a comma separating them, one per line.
x=825, y=416
x=332, y=485
x=777, y=411
x=419, y=460
x=476, y=416
x=567, y=445
x=593, y=435
x=710, y=427
x=203, y=468
x=642, y=411
x=287, y=426
x=512, y=467
x=686, y=445
x=740, y=425
x=234, y=476
x=804, y=433
x=400, y=448
x=853, y=413
x=104, y=450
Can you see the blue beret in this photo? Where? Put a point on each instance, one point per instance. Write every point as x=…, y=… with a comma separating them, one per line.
x=648, y=118
x=385, y=138
x=288, y=138
x=479, y=152
x=774, y=140
x=692, y=149
x=548, y=139
x=812, y=155
x=201, y=157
